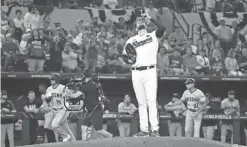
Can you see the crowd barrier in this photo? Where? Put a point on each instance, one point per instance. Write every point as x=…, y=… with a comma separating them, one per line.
x=25, y=117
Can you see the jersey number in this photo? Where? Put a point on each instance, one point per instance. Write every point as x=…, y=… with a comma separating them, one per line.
x=196, y=106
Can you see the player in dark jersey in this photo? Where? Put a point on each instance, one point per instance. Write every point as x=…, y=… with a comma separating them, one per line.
x=93, y=106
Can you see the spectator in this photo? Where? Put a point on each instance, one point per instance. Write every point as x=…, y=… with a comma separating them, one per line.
x=162, y=61
x=190, y=61
x=110, y=4
x=10, y=50
x=231, y=107
x=103, y=45
x=56, y=47
x=238, y=6
x=217, y=51
x=119, y=39
x=19, y=22
x=4, y=21
x=190, y=44
x=176, y=62
x=36, y=54
x=91, y=56
x=114, y=64
x=176, y=38
x=213, y=107
x=243, y=61
x=16, y=32
x=45, y=32
x=24, y=40
x=7, y=125
x=203, y=66
x=217, y=64
x=205, y=47
x=231, y=64
x=69, y=60
x=32, y=18
x=76, y=39
x=153, y=12
x=121, y=26
x=100, y=63
x=95, y=24
x=31, y=106
x=125, y=107
x=80, y=25
x=224, y=34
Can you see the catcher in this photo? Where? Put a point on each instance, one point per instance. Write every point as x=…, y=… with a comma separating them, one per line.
x=177, y=113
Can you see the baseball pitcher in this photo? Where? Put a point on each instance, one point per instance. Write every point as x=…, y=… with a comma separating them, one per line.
x=141, y=51
x=177, y=113
x=59, y=123
x=231, y=108
x=196, y=103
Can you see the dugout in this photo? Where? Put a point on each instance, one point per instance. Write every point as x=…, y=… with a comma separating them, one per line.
x=115, y=86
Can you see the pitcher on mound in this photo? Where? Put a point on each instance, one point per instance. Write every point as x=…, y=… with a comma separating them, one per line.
x=141, y=51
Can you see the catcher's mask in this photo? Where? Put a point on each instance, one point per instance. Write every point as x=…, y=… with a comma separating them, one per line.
x=75, y=104
x=140, y=24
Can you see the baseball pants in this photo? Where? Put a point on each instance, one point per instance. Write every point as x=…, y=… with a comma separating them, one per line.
x=192, y=124
x=145, y=87
x=208, y=132
x=60, y=124
x=50, y=135
x=9, y=129
x=245, y=131
x=175, y=129
x=124, y=129
x=224, y=129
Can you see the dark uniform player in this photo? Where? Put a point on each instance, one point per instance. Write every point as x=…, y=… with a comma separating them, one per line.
x=93, y=106
x=7, y=125
x=32, y=106
x=213, y=107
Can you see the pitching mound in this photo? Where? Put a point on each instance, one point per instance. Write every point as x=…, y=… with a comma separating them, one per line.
x=139, y=142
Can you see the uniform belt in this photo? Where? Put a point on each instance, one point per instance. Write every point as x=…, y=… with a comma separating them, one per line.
x=143, y=67
x=193, y=110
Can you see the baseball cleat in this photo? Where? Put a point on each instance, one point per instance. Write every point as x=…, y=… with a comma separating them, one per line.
x=155, y=134
x=66, y=139
x=141, y=134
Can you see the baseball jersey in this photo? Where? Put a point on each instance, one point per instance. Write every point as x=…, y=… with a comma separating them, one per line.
x=176, y=110
x=57, y=100
x=228, y=105
x=194, y=100
x=146, y=47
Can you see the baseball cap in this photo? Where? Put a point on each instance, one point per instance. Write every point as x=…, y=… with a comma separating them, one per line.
x=79, y=20
x=190, y=80
x=231, y=92
x=176, y=95
x=222, y=19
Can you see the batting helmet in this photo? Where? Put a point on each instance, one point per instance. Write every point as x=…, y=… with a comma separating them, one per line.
x=56, y=77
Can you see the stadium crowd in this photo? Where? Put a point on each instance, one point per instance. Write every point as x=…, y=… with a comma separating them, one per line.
x=33, y=43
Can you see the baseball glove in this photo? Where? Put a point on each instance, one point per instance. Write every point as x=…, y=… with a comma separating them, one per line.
x=131, y=54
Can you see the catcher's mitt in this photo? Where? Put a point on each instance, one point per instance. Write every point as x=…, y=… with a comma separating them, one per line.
x=130, y=54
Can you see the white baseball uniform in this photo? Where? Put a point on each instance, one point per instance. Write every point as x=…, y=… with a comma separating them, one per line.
x=60, y=114
x=194, y=102
x=145, y=81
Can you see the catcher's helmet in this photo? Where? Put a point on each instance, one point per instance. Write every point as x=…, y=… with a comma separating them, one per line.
x=88, y=73
x=56, y=77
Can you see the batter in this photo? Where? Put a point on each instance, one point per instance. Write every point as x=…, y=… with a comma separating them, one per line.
x=59, y=121
x=144, y=73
